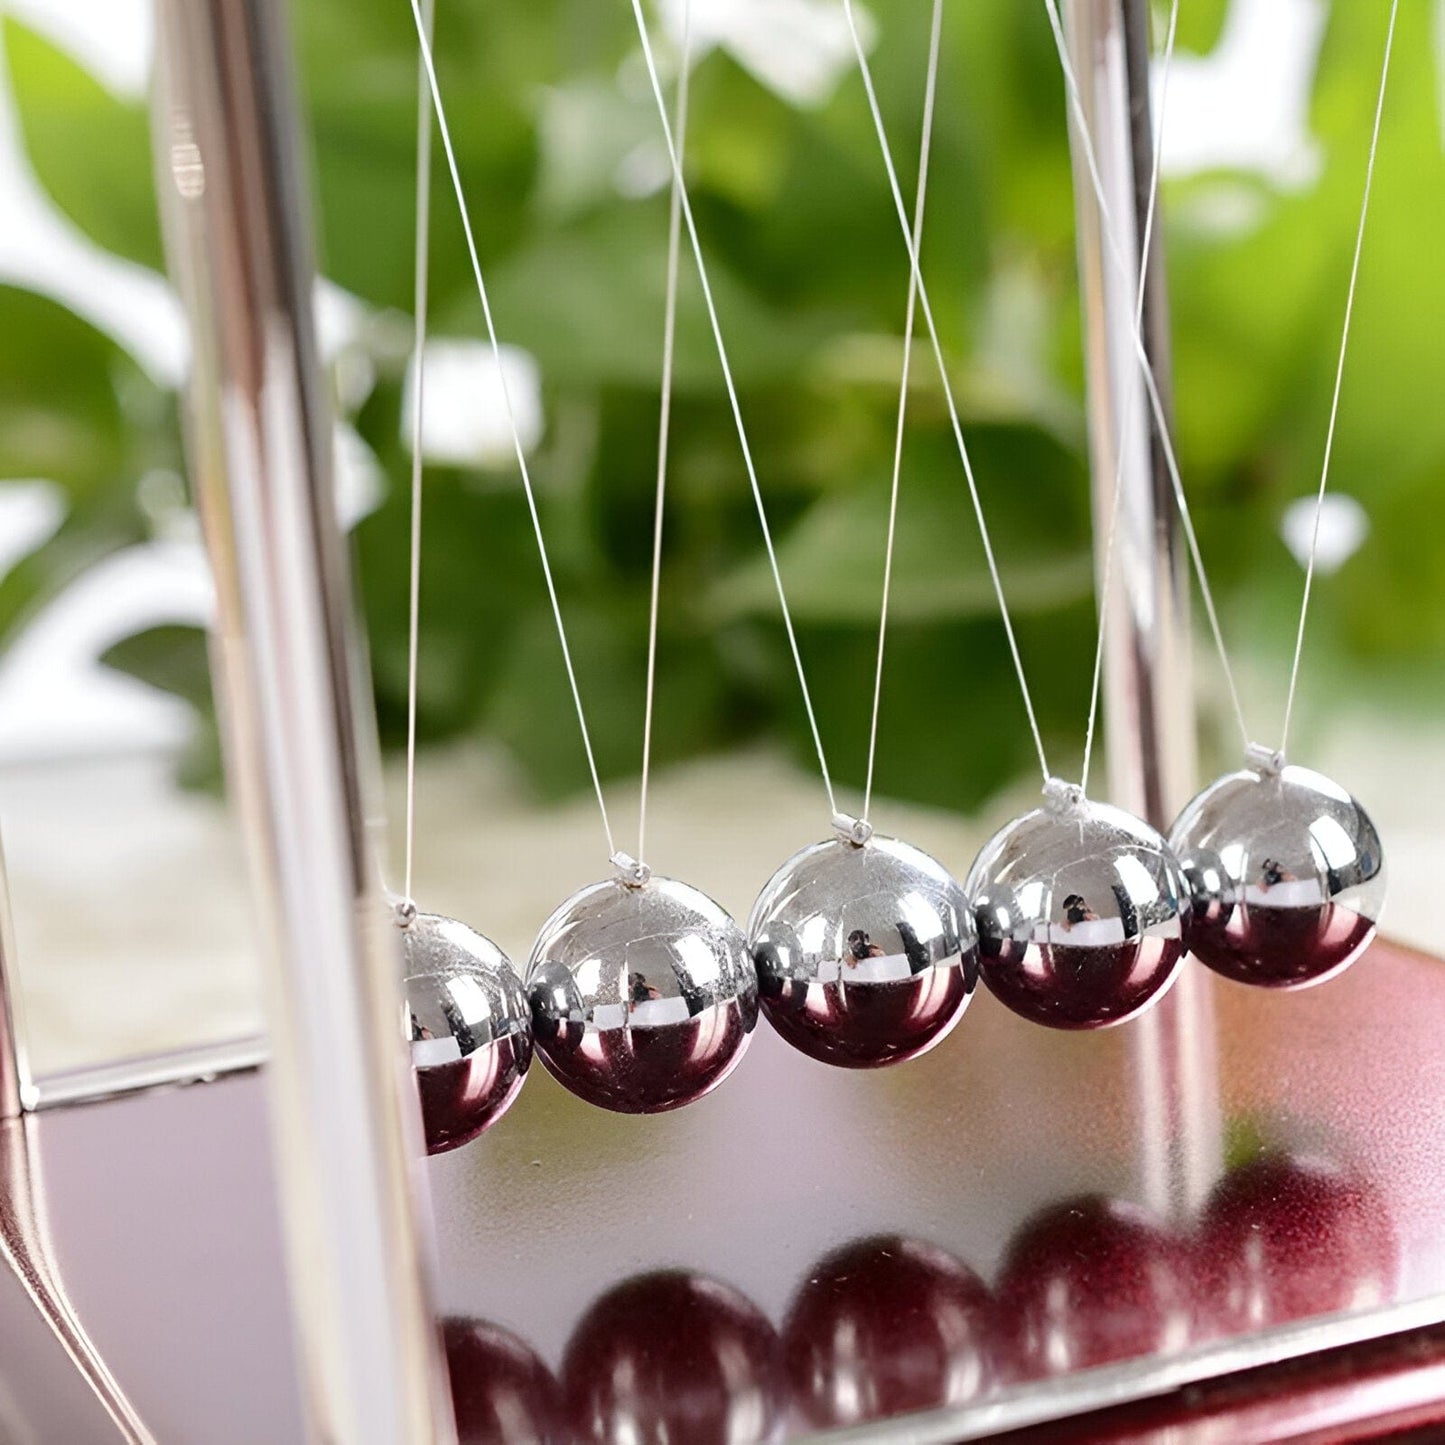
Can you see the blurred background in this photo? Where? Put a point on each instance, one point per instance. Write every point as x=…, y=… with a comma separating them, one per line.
x=133, y=924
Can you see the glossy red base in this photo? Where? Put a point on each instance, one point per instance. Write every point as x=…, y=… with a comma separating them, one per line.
x=1279, y=947
x=155, y=1215
x=884, y=1327
x=462, y=1099
x=669, y=1357
x=501, y=1392
x=868, y=1025
x=1065, y=987
x=647, y=1070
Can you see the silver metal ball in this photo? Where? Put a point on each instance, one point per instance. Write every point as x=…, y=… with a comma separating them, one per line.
x=471, y=1028
x=643, y=997
x=865, y=954
x=1285, y=874
x=1077, y=906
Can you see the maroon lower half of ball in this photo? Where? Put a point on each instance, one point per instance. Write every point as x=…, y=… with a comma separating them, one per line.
x=866, y=1025
x=1279, y=947
x=646, y=1069
x=887, y=1326
x=1064, y=986
x=673, y=1356
x=459, y=1100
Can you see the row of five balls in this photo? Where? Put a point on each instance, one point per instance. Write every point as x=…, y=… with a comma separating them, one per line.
x=863, y=951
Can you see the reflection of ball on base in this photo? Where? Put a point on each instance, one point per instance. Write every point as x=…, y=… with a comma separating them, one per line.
x=1091, y=1281
x=643, y=998
x=673, y=1357
x=1285, y=875
x=887, y=1326
x=471, y=1038
x=865, y=954
x=501, y=1392
x=1077, y=909
x=1285, y=1236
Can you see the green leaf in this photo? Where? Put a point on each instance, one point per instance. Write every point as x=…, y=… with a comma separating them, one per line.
x=533, y=710
x=172, y=658
x=952, y=729
x=176, y=660
x=832, y=560
x=479, y=571
x=360, y=88
x=91, y=150
x=60, y=409
x=587, y=301
x=1201, y=24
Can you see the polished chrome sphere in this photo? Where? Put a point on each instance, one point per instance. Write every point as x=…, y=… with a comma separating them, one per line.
x=643, y=997
x=471, y=1032
x=1285, y=874
x=1077, y=906
x=865, y=953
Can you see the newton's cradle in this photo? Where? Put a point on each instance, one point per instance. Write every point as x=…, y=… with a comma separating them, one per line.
x=1222, y=1220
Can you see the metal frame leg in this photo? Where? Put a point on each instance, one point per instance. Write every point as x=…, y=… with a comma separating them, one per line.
x=301, y=756
x=1148, y=690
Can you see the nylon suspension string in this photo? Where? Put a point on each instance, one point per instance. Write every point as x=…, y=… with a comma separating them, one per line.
x=930, y=91
x=691, y=224
x=664, y=420
x=953, y=416
x=418, y=364
x=1299, y=641
x=1131, y=404
x=449, y=151
x=1161, y=422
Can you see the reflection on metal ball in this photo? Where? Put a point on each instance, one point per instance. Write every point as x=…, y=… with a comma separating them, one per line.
x=887, y=1326
x=1285, y=873
x=865, y=954
x=1077, y=906
x=471, y=1037
x=502, y=1393
x=643, y=998
x=673, y=1357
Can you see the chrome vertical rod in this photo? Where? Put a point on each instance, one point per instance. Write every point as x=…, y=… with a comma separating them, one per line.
x=290, y=685
x=1148, y=690
x=1148, y=706
x=16, y=1089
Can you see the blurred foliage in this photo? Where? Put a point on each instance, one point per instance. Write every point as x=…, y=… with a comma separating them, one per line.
x=548, y=108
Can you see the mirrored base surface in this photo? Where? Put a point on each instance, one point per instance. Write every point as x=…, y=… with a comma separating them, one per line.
x=1021, y=1226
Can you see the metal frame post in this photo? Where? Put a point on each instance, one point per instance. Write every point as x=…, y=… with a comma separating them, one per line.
x=17, y=1092
x=300, y=752
x=1148, y=686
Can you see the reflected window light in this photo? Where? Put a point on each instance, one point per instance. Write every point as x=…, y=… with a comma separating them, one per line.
x=1137, y=879
x=698, y=958
x=1333, y=842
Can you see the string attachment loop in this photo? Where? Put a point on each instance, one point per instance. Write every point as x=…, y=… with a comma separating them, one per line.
x=854, y=831
x=1063, y=797
x=629, y=871
x=1267, y=762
